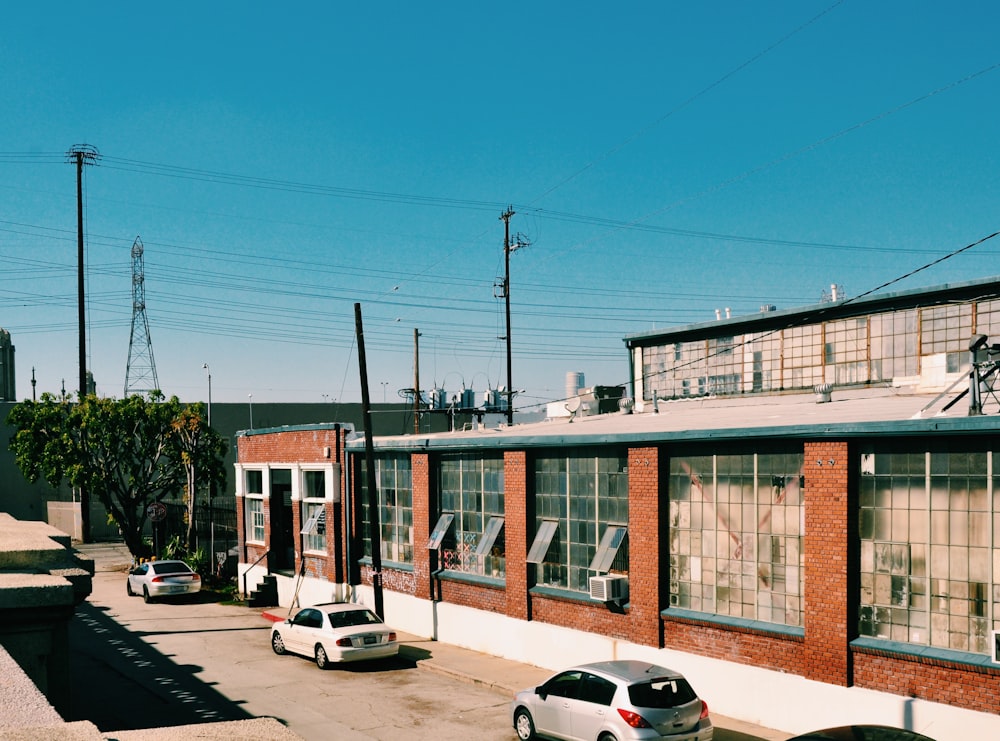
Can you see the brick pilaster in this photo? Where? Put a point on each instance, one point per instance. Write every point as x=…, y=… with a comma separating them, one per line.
x=644, y=545
x=516, y=528
x=420, y=480
x=827, y=632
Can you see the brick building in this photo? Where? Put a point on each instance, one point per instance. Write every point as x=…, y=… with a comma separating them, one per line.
x=799, y=510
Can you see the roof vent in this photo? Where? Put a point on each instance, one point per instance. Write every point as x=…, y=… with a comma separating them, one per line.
x=823, y=392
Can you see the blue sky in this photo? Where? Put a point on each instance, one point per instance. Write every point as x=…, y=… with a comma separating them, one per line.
x=663, y=160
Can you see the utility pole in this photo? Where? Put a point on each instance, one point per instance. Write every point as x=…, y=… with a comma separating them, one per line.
x=507, y=249
x=416, y=382
x=374, y=525
x=82, y=154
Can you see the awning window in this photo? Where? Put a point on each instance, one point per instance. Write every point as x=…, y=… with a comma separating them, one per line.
x=543, y=539
x=611, y=541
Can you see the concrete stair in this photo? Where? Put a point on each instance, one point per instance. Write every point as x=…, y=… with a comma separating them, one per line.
x=266, y=593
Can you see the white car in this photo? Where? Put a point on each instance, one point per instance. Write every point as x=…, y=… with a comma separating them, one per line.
x=154, y=579
x=335, y=632
x=621, y=700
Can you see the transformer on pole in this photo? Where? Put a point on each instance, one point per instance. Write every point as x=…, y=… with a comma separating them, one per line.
x=140, y=373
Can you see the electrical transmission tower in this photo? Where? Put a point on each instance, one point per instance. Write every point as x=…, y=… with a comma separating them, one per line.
x=140, y=373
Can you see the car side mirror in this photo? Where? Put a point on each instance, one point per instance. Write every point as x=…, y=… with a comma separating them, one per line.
x=541, y=691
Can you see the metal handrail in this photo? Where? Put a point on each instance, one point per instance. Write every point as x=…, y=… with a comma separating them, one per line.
x=245, y=593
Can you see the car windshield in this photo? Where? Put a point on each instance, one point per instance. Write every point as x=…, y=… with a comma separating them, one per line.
x=661, y=693
x=353, y=617
x=171, y=568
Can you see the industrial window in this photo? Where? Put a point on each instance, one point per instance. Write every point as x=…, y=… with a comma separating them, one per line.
x=736, y=535
x=470, y=488
x=491, y=536
x=615, y=536
x=395, y=508
x=440, y=530
x=543, y=541
x=930, y=545
x=578, y=495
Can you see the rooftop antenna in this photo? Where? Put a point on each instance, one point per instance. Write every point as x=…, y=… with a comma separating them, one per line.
x=140, y=373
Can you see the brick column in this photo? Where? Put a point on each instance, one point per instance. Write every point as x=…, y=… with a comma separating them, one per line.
x=516, y=528
x=644, y=545
x=827, y=542
x=420, y=479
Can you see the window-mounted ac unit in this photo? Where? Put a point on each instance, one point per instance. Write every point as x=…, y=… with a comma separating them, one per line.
x=609, y=588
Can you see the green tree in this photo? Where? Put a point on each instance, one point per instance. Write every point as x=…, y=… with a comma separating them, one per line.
x=126, y=452
x=200, y=450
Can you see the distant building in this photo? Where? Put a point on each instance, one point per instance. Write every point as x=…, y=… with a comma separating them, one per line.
x=799, y=509
x=8, y=389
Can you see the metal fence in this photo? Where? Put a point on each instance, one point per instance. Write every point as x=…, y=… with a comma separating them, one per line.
x=214, y=532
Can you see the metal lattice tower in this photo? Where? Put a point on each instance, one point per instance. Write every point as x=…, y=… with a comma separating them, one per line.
x=140, y=373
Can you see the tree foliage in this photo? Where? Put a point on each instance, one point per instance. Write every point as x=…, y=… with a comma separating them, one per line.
x=127, y=452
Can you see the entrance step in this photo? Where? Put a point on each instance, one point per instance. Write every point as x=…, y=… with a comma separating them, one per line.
x=266, y=593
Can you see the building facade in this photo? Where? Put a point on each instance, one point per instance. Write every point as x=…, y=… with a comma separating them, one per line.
x=807, y=558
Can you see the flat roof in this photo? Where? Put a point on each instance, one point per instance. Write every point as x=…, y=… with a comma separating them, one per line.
x=850, y=413
x=982, y=289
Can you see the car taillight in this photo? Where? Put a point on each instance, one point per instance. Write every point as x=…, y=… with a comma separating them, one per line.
x=633, y=719
x=344, y=642
x=392, y=637
x=704, y=710
x=156, y=578
x=195, y=577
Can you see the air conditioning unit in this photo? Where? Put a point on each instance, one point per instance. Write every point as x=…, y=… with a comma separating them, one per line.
x=609, y=588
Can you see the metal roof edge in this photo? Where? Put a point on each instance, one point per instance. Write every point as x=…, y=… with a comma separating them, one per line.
x=349, y=426
x=921, y=426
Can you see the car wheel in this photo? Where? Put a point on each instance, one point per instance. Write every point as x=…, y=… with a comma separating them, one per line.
x=607, y=737
x=524, y=725
x=145, y=595
x=322, y=660
x=277, y=643
x=128, y=588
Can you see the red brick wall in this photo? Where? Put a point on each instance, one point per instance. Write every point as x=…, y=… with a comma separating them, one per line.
x=579, y=614
x=420, y=479
x=826, y=651
x=644, y=530
x=515, y=477
x=730, y=643
x=293, y=446
x=478, y=596
x=975, y=688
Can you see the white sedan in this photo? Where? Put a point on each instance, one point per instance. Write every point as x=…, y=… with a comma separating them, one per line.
x=162, y=579
x=335, y=632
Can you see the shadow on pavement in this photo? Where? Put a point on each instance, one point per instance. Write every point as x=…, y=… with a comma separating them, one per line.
x=121, y=683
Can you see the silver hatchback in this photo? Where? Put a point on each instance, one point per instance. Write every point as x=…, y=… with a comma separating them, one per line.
x=613, y=701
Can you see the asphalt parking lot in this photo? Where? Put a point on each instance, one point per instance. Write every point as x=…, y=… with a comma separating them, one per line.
x=165, y=665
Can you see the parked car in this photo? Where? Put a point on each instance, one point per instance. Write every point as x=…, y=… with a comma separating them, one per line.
x=617, y=700
x=154, y=579
x=335, y=632
x=862, y=733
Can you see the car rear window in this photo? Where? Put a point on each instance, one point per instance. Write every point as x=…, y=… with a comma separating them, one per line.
x=171, y=568
x=353, y=617
x=661, y=693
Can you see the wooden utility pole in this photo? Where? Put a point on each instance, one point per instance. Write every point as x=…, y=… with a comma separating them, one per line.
x=374, y=528
x=416, y=382
x=505, y=217
x=82, y=154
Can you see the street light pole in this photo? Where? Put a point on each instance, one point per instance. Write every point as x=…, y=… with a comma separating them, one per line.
x=384, y=384
x=250, y=397
x=205, y=366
